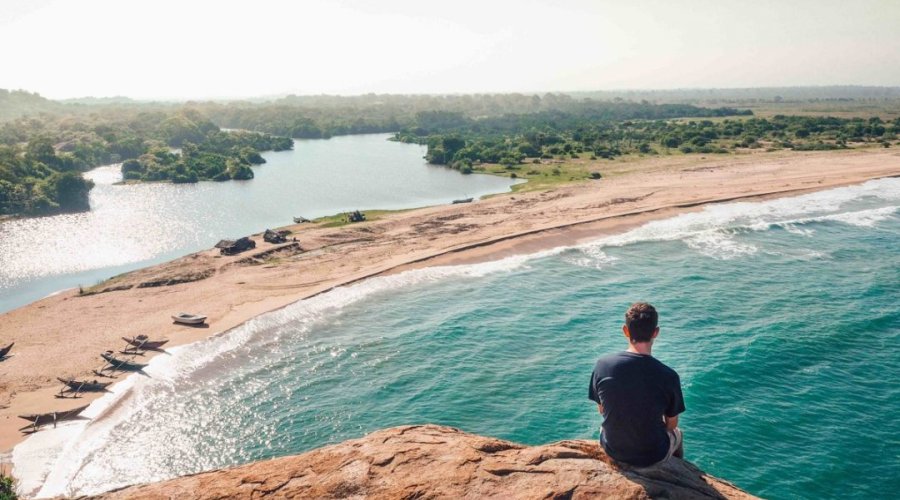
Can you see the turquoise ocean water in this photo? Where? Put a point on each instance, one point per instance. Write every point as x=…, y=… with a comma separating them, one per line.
x=782, y=317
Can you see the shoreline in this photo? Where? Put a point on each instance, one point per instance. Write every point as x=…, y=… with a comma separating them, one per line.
x=238, y=291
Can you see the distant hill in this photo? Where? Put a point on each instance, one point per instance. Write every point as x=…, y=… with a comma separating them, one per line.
x=93, y=101
x=749, y=95
x=16, y=103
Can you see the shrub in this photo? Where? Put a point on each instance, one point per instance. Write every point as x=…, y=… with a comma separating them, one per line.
x=595, y=175
x=7, y=488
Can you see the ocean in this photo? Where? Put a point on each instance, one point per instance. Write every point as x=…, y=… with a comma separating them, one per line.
x=782, y=318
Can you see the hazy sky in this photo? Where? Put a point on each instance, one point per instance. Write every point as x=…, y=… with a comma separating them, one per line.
x=192, y=49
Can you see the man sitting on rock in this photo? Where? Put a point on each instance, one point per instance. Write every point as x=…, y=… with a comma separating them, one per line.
x=638, y=396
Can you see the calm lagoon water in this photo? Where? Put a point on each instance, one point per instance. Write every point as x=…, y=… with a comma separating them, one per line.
x=133, y=226
x=782, y=317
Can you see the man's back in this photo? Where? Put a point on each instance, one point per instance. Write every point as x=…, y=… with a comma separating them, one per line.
x=635, y=391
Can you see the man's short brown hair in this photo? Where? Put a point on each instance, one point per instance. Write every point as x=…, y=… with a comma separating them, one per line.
x=641, y=319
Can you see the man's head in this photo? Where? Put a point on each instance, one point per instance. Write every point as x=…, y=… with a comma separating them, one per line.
x=640, y=322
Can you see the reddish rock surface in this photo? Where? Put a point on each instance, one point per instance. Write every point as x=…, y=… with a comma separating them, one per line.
x=431, y=461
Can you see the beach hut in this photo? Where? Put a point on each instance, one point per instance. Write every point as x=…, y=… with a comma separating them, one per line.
x=231, y=247
x=273, y=237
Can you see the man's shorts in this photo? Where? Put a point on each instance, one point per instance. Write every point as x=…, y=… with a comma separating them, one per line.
x=674, y=442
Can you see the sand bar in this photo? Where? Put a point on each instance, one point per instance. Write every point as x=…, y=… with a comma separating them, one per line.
x=62, y=335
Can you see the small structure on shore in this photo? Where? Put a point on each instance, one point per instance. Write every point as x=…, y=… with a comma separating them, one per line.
x=231, y=247
x=188, y=319
x=41, y=419
x=136, y=345
x=72, y=388
x=114, y=364
x=301, y=220
x=273, y=237
x=356, y=216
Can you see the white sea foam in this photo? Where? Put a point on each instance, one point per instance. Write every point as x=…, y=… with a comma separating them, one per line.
x=715, y=231
x=75, y=458
x=592, y=257
x=58, y=461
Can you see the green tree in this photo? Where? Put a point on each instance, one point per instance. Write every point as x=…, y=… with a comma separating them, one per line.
x=69, y=191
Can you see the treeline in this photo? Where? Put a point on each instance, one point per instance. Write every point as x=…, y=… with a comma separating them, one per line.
x=16, y=103
x=326, y=116
x=827, y=93
x=460, y=142
x=41, y=157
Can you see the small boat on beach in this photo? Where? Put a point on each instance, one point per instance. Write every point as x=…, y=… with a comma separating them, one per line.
x=143, y=343
x=188, y=319
x=462, y=200
x=115, y=363
x=5, y=350
x=78, y=386
x=41, y=419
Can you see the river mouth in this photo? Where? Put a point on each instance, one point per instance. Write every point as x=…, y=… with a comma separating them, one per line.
x=136, y=225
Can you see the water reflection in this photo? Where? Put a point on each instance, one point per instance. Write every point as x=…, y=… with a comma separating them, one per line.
x=130, y=226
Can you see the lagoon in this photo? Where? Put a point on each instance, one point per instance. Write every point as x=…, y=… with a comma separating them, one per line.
x=137, y=225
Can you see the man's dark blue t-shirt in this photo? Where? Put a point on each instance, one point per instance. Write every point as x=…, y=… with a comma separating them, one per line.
x=636, y=390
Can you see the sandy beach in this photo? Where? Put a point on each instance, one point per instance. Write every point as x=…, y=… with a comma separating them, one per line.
x=63, y=335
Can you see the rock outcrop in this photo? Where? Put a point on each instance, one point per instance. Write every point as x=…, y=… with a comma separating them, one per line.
x=431, y=461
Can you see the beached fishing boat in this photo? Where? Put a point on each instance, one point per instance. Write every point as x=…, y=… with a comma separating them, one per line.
x=41, y=419
x=5, y=350
x=78, y=386
x=188, y=319
x=143, y=343
x=463, y=200
x=120, y=364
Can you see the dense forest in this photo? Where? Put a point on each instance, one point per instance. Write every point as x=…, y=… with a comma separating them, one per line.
x=455, y=140
x=44, y=144
x=42, y=157
x=326, y=116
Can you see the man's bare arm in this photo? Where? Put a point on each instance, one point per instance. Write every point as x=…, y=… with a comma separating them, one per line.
x=600, y=408
x=671, y=422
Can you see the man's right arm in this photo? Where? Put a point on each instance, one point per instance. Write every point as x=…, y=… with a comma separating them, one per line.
x=671, y=422
x=675, y=405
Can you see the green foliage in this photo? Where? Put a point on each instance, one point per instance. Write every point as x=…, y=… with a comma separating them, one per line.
x=7, y=488
x=35, y=180
x=41, y=157
x=511, y=139
x=220, y=156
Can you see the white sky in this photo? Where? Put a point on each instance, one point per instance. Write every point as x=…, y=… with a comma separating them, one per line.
x=191, y=49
